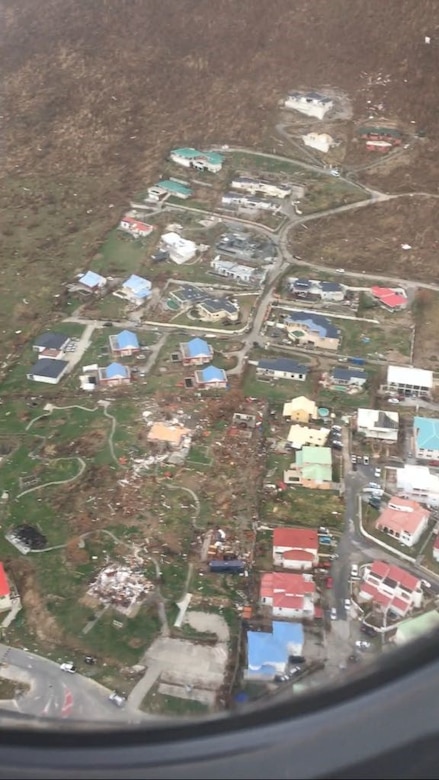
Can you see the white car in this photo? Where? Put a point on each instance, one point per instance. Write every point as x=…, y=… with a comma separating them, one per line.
x=333, y=613
x=361, y=644
x=354, y=570
x=347, y=604
x=377, y=473
x=68, y=667
x=374, y=486
x=117, y=699
x=393, y=401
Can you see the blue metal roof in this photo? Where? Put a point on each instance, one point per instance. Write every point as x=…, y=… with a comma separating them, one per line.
x=213, y=374
x=197, y=347
x=51, y=340
x=92, y=279
x=348, y=373
x=267, y=651
x=127, y=339
x=116, y=369
x=426, y=432
x=140, y=287
x=47, y=367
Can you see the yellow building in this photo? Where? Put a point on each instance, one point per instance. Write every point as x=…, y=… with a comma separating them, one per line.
x=300, y=410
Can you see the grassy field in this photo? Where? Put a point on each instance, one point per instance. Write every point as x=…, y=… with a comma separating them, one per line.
x=159, y=704
x=364, y=339
x=121, y=255
x=299, y=506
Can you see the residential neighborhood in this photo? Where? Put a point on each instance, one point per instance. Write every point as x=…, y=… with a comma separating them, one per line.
x=240, y=448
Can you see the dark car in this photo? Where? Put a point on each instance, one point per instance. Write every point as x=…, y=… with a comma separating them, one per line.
x=108, y=324
x=369, y=630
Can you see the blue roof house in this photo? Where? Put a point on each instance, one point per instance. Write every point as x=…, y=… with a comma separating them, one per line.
x=426, y=435
x=312, y=330
x=136, y=290
x=114, y=375
x=268, y=653
x=196, y=352
x=92, y=281
x=211, y=378
x=124, y=344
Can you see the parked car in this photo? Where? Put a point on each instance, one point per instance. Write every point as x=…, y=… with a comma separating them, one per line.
x=355, y=572
x=294, y=671
x=366, y=460
x=362, y=644
x=378, y=473
x=374, y=486
x=108, y=324
x=333, y=613
x=347, y=604
x=296, y=659
x=68, y=666
x=393, y=401
x=369, y=630
x=117, y=699
x=329, y=582
x=323, y=530
x=281, y=678
x=353, y=459
x=426, y=584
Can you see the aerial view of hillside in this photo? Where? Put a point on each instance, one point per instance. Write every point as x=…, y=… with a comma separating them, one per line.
x=219, y=372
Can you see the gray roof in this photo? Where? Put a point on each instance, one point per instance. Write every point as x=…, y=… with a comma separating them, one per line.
x=348, y=373
x=188, y=293
x=51, y=340
x=283, y=364
x=331, y=286
x=48, y=367
x=384, y=421
x=219, y=304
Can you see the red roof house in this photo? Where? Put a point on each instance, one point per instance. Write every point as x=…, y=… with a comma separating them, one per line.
x=295, y=548
x=391, y=300
x=289, y=595
x=391, y=588
x=403, y=520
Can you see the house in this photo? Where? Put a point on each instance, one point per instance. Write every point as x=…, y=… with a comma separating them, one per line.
x=416, y=627
x=211, y=378
x=114, y=375
x=124, y=344
x=187, y=296
x=168, y=188
x=403, y=520
x=5, y=591
x=436, y=549
x=348, y=377
x=268, y=652
x=311, y=469
x=300, y=410
x=405, y=380
x=135, y=290
x=254, y=186
x=312, y=330
x=301, y=435
x=289, y=595
x=51, y=345
x=249, y=202
x=375, y=424
x=392, y=300
x=380, y=139
x=419, y=483
x=49, y=370
x=323, y=142
x=239, y=273
x=295, y=548
x=281, y=368
x=426, y=438
x=214, y=309
x=332, y=291
x=179, y=249
x=201, y=161
x=309, y=103
x=166, y=433
x=195, y=352
x=92, y=282
x=391, y=588
x=135, y=227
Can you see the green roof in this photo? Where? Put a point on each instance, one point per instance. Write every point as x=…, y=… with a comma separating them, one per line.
x=315, y=463
x=187, y=151
x=392, y=131
x=174, y=186
x=414, y=628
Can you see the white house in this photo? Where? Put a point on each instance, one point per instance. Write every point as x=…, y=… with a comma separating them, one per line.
x=135, y=290
x=301, y=435
x=404, y=520
x=331, y=291
x=249, y=202
x=426, y=438
x=261, y=186
x=375, y=424
x=309, y=103
x=201, y=161
x=48, y=370
x=320, y=141
x=180, y=249
x=348, y=377
x=289, y=595
x=236, y=271
x=281, y=368
x=135, y=227
x=405, y=380
x=391, y=588
x=295, y=548
x=419, y=483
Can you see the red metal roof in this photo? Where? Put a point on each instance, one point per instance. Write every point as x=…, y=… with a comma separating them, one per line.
x=297, y=538
x=284, y=601
x=388, y=296
x=400, y=604
x=401, y=576
x=4, y=584
x=298, y=555
x=274, y=584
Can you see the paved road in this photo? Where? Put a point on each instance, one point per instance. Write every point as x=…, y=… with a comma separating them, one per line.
x=57, y=694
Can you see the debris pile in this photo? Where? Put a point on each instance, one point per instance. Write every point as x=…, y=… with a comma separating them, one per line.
x=121, y=587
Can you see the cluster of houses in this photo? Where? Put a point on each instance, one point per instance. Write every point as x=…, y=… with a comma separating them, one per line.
x=207, y=307
x=391, y=299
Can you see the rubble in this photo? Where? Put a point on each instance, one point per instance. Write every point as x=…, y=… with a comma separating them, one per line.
x=121, y=587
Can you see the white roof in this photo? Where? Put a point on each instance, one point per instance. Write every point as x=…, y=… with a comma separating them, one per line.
x=175, y=241
x=404, y=375
x=419, y=477
x=370, y=418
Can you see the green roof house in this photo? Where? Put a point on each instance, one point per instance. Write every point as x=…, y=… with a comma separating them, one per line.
x=201, y=161
x=312, y=468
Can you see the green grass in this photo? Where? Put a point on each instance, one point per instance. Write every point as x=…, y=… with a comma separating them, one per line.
x=276, y=390
x=10, y=688
x=125, y=644
x=302, y=507
x=161, y=704
x=121, y=255
x=382, y=340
